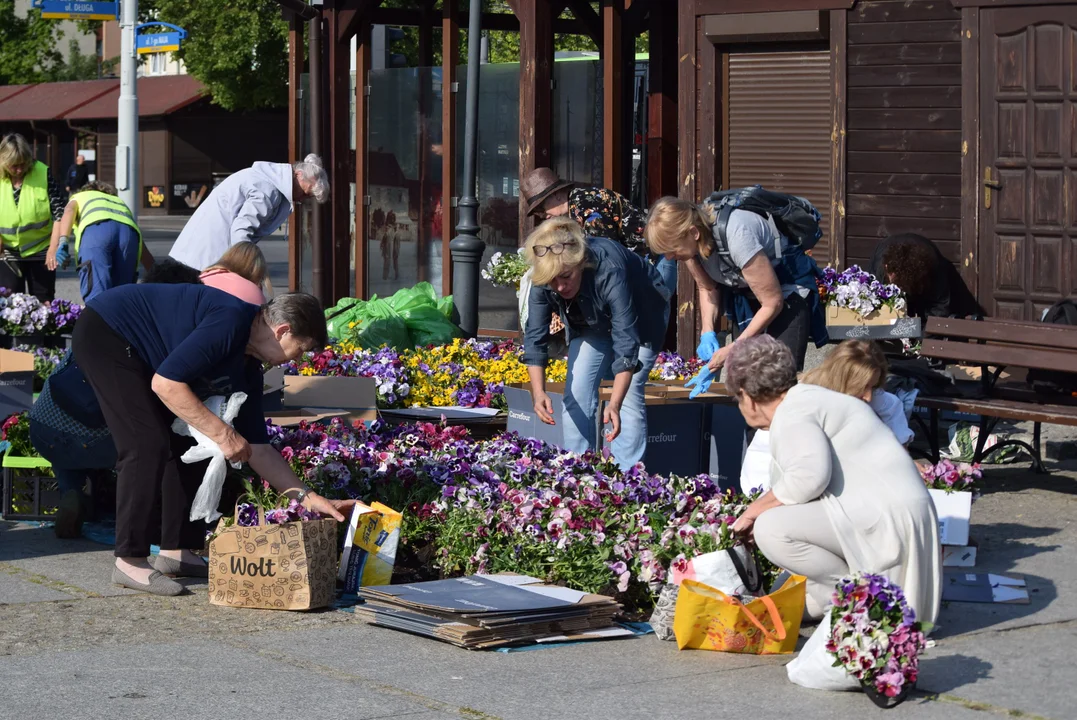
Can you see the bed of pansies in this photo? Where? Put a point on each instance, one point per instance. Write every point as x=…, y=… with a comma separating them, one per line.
x=24, y=315
x=464, y=373
x=516, y=504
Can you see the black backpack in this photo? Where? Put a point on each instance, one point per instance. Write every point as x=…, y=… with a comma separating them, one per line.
x=794, y=217
x=1056, y=382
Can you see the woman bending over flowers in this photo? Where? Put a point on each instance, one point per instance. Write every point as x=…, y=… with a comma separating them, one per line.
x=614, y=305
x=846, y=496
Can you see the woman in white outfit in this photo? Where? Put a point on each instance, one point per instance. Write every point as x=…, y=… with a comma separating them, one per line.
x=845, y=496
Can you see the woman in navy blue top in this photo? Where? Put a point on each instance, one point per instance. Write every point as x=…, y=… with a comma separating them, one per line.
x=151, y=353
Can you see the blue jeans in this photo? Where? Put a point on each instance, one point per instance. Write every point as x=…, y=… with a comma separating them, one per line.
x=70, y=456
x=590, y=358
x=108, y=257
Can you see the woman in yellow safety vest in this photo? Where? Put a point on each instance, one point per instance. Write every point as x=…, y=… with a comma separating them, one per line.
x=108, y=243
x=30, y=203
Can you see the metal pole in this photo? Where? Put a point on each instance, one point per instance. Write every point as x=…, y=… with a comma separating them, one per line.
x=127, y=109
x=319, y=277
x=466, y=248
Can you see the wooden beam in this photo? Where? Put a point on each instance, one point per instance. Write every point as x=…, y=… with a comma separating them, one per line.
x=352, y=18
x=613, y=117
x=536, y=94
x=662, y=107
x=503, y=22
x=362, y=223
x=637, y=12
x=295, y=142
x=686, y=165
x=970, y=149
x=339, y=68
x=582, y=11
x=426, y=37
x=724, y=7
x=450, y=60
x=838, y=71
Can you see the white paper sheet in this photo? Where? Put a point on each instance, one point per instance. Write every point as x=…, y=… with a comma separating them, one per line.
x=513, y=580
x=609, y=632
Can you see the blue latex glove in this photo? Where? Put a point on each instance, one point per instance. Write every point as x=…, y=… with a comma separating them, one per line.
x=700, y=383
x=708, y=345
x=63, y=255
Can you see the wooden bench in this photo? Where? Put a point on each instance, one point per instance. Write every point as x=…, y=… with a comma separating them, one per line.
x=995, y=345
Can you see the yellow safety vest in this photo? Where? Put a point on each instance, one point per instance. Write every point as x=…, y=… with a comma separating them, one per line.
x=93, y=206
x=27, y=226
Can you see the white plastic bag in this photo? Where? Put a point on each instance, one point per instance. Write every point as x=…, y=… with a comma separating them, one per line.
x=755, y=470
x=719, y=570
x=814, y=666
x=208, y=497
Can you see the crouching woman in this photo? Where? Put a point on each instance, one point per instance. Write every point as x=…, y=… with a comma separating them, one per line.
x=613, y=304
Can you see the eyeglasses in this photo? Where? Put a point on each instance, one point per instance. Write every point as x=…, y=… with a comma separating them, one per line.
x=557, y=248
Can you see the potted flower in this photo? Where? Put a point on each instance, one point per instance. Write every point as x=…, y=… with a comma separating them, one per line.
x=951, y=486
x=23, y=319
x=856, y=297
x=874, y=636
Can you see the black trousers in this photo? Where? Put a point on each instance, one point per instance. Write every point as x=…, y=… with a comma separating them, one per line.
x=792, y=326
x=154, y=489
x=29, y=276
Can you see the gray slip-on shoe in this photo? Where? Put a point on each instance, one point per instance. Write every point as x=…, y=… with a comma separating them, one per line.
x=158, y=584
x=176, y=568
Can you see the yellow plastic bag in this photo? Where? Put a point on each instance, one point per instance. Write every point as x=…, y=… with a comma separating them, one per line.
x=708, y=619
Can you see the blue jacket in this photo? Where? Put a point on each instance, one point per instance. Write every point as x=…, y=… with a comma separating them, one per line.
x=621, y=295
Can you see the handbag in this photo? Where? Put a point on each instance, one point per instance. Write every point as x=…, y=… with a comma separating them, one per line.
x=709, y=619
x=734, y=571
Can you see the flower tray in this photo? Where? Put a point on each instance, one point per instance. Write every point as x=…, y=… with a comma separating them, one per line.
x=28, y=493
x=843, y=323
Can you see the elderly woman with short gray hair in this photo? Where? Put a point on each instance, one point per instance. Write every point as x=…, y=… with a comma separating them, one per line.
x=248, y=206
x=845, y=495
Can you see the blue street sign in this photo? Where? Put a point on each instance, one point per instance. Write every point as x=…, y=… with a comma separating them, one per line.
x=65, y=10
x=158, y=42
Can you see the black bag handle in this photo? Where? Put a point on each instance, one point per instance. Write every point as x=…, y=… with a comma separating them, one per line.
x=750, y=576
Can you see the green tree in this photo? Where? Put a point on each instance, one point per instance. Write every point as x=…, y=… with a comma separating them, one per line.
x=27, y=46
x=76, y=67
x=238, y=49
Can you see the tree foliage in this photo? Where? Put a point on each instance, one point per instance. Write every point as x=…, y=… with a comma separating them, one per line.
x=238, y=49
x=77, y=66
x=27, y=46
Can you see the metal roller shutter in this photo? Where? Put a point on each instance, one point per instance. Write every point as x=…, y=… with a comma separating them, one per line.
x=779, y=127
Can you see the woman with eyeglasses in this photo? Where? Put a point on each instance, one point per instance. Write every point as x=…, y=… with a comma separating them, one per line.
x=613, y=304
x=31, y=205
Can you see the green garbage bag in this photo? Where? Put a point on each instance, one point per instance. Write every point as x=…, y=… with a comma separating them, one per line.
x=342, y=318
x=376, y=332
x=424, y=315
x=446, y=307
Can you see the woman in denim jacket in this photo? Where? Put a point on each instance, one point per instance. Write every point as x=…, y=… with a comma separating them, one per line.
x=614, y=305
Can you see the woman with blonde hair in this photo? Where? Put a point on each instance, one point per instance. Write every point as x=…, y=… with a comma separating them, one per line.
x=768, y=282
x=242, y=271
x=613, y=304
x=31, y=205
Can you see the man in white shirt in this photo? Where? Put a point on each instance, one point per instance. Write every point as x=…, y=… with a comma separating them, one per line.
x=248, y=206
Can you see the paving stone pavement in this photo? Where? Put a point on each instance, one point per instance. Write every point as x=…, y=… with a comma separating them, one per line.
x=72, y=646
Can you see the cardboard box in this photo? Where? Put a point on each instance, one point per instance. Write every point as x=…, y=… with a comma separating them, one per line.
x=16, y=382
x=844, y=317
x=954, y=511
x=523, y=420
x=959, y=556
x=315, y=398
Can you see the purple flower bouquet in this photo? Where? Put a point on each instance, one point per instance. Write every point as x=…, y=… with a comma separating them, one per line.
x=951, y=477
x=875, y=637
x=859, y=291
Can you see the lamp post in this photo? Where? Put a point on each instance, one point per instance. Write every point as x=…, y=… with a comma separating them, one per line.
x=466, y=248
x=127, y=109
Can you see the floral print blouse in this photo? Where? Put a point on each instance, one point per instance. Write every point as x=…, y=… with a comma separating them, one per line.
x=605, y=213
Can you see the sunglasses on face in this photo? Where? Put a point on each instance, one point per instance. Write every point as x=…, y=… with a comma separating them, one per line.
x=557, y=248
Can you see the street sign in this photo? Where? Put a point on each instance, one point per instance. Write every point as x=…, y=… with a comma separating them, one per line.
x=65, y=10
x=158, y=42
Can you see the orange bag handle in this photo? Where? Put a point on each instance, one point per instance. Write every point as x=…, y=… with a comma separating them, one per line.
x=779, y=627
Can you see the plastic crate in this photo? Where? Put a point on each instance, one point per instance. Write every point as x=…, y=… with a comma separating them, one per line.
x=28, y=495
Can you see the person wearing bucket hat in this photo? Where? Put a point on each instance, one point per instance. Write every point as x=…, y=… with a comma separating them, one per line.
x=599, y=211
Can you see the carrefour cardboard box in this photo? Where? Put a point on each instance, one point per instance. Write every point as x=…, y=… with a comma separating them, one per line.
x=314, y=398
x=16, y=382
x=522, y=418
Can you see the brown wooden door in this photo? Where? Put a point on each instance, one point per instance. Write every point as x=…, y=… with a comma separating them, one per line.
x=1028, y=115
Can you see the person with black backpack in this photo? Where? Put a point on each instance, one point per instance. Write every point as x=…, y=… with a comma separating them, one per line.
x=749, y=245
